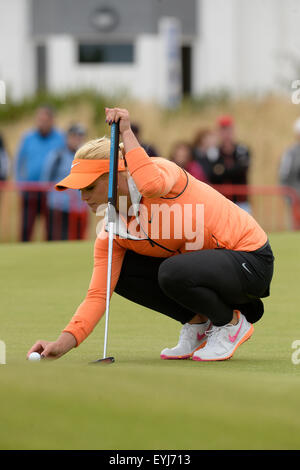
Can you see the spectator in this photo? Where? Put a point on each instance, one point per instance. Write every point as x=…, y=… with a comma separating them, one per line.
x=67, y=218
x=289, y=172
x=232, y=161
x=4, y=164
x=150, y=149
x=30, y=160
x=182, y=155
x=4, y=161
x=205, y=149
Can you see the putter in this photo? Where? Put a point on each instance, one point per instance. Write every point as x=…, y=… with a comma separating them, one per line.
x=111, y=216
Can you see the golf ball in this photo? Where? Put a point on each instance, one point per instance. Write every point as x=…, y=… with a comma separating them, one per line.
x=34, y=356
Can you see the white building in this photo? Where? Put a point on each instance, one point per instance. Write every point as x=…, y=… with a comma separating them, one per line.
x=238, y=45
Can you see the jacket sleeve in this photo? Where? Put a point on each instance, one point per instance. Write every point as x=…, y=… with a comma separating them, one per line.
x=153, y=177
x=92, y=308
x=239, y=170
x=50, y=164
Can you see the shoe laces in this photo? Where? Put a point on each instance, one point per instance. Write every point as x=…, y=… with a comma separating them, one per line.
x=187, y=333
x=213, y=334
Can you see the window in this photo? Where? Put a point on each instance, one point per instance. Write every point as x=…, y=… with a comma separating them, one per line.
x=105, y=53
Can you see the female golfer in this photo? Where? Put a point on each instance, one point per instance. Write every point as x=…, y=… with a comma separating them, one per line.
x=180, y=248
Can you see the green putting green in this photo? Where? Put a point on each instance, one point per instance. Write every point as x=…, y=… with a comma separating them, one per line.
x=140, y=401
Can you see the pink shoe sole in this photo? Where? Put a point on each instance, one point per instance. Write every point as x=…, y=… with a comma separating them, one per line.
x=162, y=356
x=187, y=356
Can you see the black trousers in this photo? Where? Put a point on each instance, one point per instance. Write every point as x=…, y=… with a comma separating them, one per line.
x=33, y=205
x=58, y=225
x=64, y=225
x=208, y=282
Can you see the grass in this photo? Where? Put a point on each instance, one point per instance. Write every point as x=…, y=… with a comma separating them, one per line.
x=140, y=401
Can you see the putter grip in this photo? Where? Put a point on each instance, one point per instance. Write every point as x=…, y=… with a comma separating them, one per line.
x=113, y=164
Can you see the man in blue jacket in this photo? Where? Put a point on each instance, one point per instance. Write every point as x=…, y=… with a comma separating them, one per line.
x=31, y=158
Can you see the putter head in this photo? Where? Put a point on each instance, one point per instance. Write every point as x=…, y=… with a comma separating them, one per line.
x=105, y=360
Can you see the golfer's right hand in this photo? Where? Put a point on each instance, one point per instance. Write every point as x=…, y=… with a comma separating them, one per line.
x=118, y=114
x=54, y=349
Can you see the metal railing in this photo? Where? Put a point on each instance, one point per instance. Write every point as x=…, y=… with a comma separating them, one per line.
x=276, y=208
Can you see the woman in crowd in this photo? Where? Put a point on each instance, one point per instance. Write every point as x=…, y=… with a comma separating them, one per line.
x=182, y=155
x=205, y=150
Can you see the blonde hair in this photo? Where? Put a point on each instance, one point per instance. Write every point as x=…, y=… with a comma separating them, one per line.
x=97, y=149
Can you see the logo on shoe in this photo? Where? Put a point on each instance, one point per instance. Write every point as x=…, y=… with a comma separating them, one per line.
x=234, y=337
x=200, y=337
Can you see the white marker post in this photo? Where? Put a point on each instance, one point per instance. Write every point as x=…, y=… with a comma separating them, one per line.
x=170, y=87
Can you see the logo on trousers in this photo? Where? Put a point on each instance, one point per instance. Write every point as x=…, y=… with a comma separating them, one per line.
x=2, y=352
x=245, y=267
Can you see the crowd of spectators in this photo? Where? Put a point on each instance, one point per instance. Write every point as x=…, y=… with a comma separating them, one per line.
x=45, y=155
x=215, y=157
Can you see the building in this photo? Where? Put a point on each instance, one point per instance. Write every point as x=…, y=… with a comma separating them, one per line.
x=116, y=45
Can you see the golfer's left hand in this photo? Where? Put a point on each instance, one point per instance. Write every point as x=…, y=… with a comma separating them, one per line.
x=118, y=114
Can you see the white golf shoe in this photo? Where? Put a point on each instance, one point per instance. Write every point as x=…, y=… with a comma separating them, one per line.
x=222, y=341
x=191, y=338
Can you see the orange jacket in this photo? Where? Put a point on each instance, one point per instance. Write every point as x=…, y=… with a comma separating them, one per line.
x=164, y=189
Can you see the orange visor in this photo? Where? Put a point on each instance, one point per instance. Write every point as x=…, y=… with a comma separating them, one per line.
x=85, y=172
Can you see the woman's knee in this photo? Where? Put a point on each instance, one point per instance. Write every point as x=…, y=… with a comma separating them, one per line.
x=170, y=277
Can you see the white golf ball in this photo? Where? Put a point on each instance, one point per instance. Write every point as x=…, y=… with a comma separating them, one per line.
x=34, y=356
